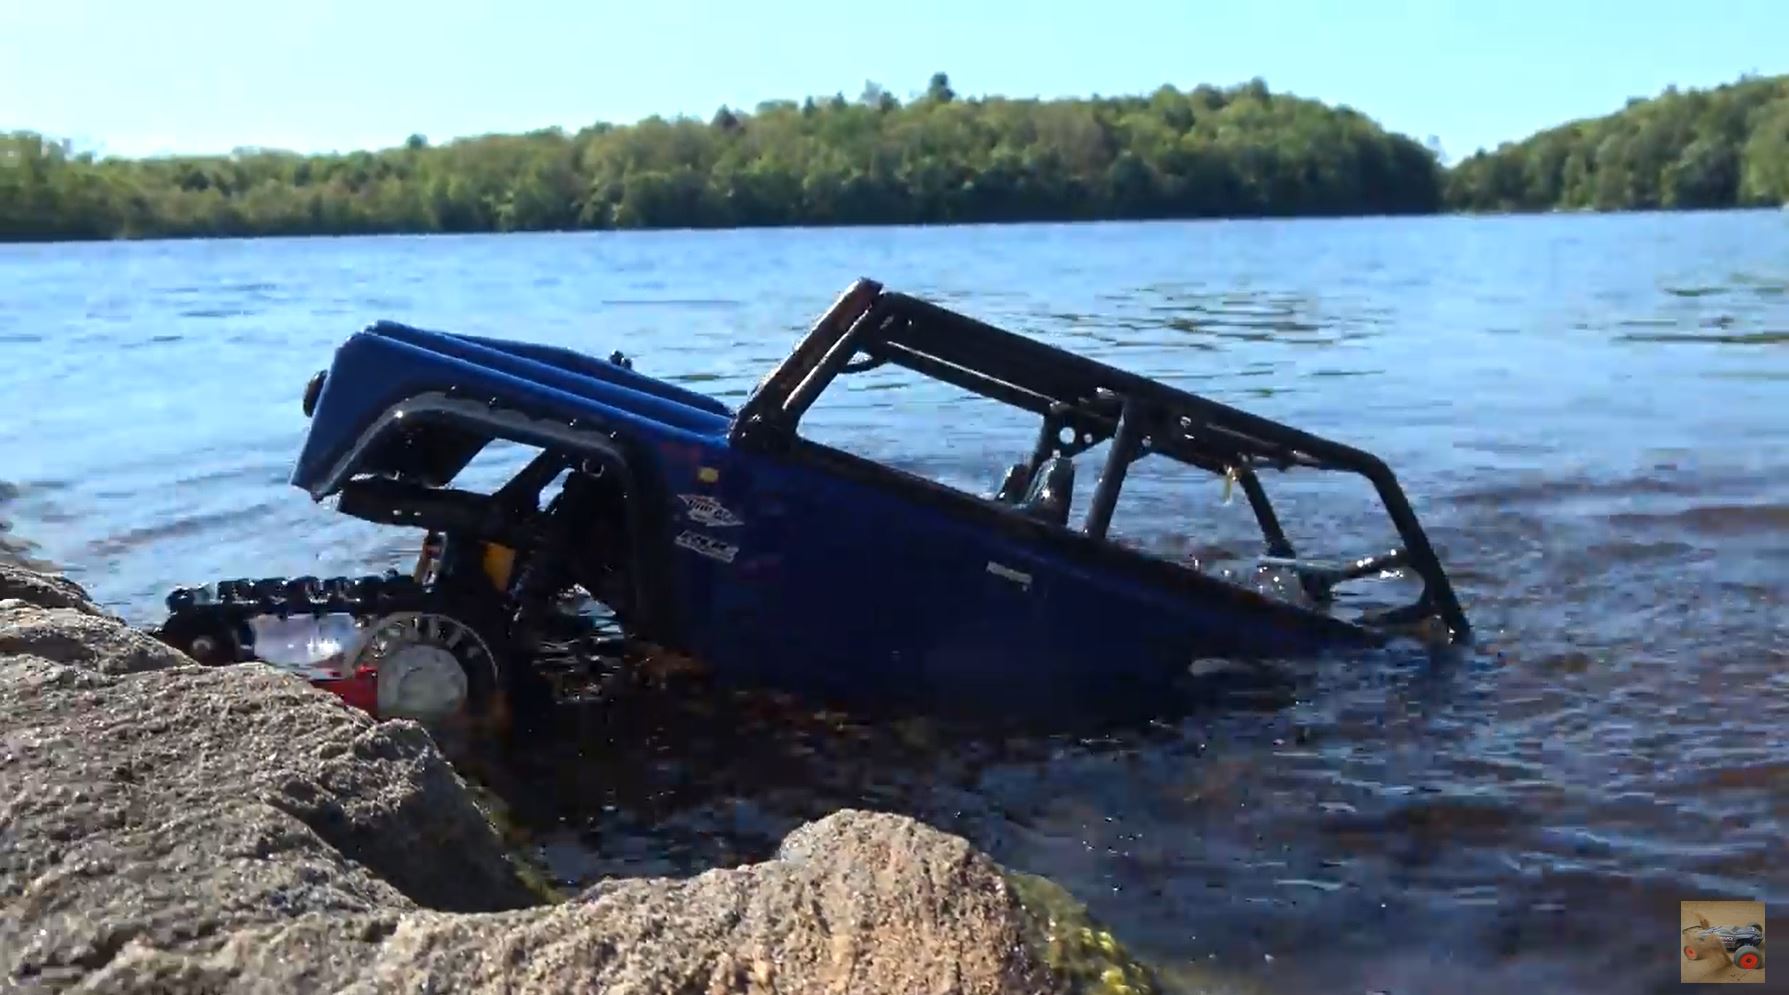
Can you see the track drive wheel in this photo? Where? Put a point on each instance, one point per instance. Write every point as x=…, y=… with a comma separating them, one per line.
x=444, y=667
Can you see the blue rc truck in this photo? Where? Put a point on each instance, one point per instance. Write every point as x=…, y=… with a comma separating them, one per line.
x=728, y=538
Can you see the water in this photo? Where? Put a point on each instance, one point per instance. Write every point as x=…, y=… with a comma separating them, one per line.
x=1590, y=413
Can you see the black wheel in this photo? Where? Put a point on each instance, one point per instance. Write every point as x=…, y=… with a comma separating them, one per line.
x=1748, y=958
x=209, y=641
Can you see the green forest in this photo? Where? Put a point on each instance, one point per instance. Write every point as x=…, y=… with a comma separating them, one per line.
x=1239, y=151
x=1725, y=147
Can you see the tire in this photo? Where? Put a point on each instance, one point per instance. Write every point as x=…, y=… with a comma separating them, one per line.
x=1748, y=958
x=209, y=641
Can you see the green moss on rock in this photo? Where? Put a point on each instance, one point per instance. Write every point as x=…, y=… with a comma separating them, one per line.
x=530, y=872
x=1074, y=945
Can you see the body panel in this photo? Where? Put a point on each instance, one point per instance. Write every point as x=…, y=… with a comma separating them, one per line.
x=855, y=589
x=376, y=369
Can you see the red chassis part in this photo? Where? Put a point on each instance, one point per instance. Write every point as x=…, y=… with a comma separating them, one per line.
x=360, y=689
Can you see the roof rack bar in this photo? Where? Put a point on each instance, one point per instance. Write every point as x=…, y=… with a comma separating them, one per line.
x=1125, y=446
x=1437, y=590
x=1032, y=364
x=836, y=320
x=858, y=335
x=1070, y=391
x=967, y=379
x=1002, y=354
x=1271, y=529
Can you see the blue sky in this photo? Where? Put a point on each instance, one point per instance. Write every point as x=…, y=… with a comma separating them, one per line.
x=206, y=75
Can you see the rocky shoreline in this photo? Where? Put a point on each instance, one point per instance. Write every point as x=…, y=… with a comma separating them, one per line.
x=169, y=827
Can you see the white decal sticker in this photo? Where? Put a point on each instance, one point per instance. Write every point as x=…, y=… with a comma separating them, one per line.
x=708, y=546
x=705, y=510
x=1017, y=576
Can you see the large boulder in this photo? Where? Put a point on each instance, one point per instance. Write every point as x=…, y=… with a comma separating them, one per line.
x=174, y=806
x=169, y=827
x=857, y=902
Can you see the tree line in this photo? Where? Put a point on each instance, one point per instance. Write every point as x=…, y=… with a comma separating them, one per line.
x=1239, y=151
x=872, y=160
x=1723, y=147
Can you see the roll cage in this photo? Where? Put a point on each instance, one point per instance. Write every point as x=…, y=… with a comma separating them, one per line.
x=1083, y=403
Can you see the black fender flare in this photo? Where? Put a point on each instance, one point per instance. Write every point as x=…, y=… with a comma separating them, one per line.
x=589, y=440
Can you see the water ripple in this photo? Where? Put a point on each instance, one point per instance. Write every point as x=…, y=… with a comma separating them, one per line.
x=1585, y=411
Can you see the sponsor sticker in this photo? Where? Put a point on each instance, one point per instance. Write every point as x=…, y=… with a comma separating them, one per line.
x=708, y=546
x=1019, y=577
x=704, y=509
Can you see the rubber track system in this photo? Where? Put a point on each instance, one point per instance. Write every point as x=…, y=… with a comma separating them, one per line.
x=221, y=613
x=225, y=608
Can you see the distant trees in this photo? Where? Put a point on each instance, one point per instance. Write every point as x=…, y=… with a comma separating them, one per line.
x=1724, y=147
x=1239, y=151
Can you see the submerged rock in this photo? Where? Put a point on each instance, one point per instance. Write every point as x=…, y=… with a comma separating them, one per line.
x=170, y=827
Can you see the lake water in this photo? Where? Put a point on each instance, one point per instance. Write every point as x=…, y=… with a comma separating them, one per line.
x=1591, y=415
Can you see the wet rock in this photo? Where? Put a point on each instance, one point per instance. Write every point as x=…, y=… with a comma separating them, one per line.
x=20, y=583
x=82, y=638
x=175, y=806
x=1080, y=951
x=857, y=902
x=146, y=799
x=52, y=617
x=174, y=828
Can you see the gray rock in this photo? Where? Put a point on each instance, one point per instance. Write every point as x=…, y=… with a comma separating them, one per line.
x=76, y=636
x=858, y=902
x=177, y=805
x=18, y=582
x=143, y=797
x=166, y=827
